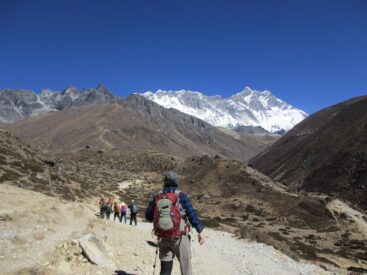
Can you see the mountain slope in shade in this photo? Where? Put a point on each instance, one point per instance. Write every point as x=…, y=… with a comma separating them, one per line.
x=247, y=108
x=327, y=152
x=16, y=105
x=135, y=124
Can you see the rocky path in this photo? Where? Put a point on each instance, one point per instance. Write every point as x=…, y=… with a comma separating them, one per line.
x=221, y=254
x=37, y=242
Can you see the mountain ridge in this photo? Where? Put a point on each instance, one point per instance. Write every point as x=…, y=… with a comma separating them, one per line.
x=18, y=104
x=246, y=108
x=134, y=123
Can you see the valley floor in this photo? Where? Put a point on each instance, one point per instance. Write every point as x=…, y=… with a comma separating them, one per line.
x=37, y=236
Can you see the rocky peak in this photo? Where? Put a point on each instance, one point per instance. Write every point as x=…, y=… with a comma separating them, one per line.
x=46, y=92
x=18, y=104
x=102, y=88
x=69, y=90
x=141, y=103
x=98, y=95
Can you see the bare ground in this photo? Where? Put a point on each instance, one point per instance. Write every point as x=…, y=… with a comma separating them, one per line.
x=37, y=233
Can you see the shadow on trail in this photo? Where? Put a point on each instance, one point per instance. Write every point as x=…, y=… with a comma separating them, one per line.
x=121, y=272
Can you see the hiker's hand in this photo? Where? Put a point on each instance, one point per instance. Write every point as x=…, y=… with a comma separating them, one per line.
x=201, y=238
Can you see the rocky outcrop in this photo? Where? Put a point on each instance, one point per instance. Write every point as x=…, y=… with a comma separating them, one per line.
x=16, y=105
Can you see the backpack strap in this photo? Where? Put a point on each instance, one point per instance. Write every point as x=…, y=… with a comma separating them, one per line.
x=182, y=210
x=183, y=215
x=156, y=195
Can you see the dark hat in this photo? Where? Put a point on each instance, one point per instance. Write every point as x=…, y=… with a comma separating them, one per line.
x=170, y=179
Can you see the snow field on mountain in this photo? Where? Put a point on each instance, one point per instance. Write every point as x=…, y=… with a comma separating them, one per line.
x=248, y=108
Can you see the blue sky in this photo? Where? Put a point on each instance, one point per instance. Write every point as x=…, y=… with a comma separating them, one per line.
x=311, y=54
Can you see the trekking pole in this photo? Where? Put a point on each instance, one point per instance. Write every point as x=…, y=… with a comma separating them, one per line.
x=155, y=259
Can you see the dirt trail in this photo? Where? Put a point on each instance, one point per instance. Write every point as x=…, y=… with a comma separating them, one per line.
x=102, y=133
x=32, y=224
x=45, y=240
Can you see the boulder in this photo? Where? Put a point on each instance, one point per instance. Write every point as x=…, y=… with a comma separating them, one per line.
x=96, y=253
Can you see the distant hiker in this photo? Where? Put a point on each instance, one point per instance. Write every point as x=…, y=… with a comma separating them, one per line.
x=116, y=211
x=123, y=211
x=108, y=211
x=102, y=207
x=172, y=213
x=110, y=202
x=134, y=209
x=109, y=208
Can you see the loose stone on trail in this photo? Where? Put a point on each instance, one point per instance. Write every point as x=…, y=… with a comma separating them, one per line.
x=95, y=252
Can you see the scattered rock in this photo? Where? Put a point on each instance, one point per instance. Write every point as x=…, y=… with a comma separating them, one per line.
x=69, y=257
x=203, y=197
x=95, y=252
x=50, y=162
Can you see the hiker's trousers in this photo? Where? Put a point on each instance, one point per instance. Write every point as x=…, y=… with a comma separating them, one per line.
x=116, y=215
x=133, y=218
x=123, y=215
x=179, y=248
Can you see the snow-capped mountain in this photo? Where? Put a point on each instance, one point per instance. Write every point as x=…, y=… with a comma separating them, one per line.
x=18, y=104
x=246, y=108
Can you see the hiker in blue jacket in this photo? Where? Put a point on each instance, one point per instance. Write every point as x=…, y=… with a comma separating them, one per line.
x=176, y=246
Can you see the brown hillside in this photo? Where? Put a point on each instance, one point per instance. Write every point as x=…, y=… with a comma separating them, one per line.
x=135, y=124
x=229, y=193
x=234, y=197
x=86, y=173
x=22, y=166
x=327, y=152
